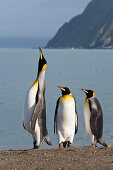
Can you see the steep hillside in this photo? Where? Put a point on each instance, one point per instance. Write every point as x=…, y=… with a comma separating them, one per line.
x=92, y=29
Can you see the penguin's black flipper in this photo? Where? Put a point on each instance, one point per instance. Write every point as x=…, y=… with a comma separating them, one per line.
x=37, y=111
x=96, y=120
x=76, y=118
x=76, y=122
x=55, y=123
x=40, y=113
x=93, y=122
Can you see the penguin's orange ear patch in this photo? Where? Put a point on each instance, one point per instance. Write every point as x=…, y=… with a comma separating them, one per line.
x=44, y=67
x=93, y=93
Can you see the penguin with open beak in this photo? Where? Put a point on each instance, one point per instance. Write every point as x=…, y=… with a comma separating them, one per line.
x=93, y=117
x=35, y=107
x=66, y=118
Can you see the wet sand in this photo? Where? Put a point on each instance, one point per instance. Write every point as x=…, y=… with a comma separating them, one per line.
x=58, y=159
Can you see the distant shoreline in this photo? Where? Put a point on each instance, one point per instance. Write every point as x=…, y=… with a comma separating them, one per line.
x=109, y=47
x=34, y=43
x=51, y=159
x=23, y=42
x=36, y=48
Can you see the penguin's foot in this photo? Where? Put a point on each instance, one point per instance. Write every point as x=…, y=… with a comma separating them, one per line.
x=94, y=146
x=61, y=145
x=69, y=144
x=102, y=142
x=47, y=140
x=49, y=143
x=65, y=144
x=105, y=145
x=36, y=147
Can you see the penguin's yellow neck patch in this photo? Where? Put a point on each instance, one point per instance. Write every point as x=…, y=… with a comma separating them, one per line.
x=35, y=83
x=44, y=67
x=86, y=100
x=66, y=97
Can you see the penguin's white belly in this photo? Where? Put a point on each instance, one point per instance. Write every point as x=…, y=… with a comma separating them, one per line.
x=29, y=108
x=87, y=115
x=66, y=119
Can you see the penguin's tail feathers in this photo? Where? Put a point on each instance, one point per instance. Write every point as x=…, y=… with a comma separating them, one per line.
x=24, y=126
x=47, y=140
x=102, y=142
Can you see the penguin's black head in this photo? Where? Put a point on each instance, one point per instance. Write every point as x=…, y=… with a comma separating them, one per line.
x=89, y=93
x=42, y=62
x=65, y=90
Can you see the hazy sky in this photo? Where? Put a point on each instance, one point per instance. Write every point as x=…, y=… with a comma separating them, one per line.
x=36, y=18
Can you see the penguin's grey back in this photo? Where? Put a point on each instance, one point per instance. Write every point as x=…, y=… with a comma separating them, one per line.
x=96, y=116
x=40, y=114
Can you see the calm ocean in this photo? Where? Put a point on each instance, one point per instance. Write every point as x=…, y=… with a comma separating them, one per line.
x=89, y=69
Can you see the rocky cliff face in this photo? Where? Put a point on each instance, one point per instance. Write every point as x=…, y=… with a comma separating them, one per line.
x=92, y=29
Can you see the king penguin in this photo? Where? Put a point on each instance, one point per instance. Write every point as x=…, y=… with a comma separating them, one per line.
x=93, y=117
x=35, y=107
x=65, y=118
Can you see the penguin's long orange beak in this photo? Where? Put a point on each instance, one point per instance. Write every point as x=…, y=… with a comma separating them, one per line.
x=61, y=88
x=84, y=90
x=41, y=55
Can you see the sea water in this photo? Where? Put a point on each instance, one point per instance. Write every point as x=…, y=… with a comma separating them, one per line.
x=74, y=68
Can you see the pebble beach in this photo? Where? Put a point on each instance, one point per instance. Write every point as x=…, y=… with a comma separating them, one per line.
x=88, y=158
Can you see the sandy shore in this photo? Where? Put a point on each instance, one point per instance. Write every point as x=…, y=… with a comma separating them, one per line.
x=57, y=159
